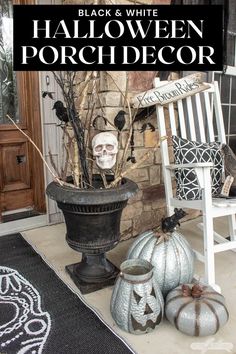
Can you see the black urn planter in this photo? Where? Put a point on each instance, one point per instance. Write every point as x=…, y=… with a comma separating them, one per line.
x=92, y=218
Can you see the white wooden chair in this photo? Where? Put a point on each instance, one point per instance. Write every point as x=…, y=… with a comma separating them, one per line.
x=195, y=121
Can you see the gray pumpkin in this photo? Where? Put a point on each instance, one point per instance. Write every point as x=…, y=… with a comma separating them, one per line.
x=199, y=314
x=137, y=305
x=172, y=258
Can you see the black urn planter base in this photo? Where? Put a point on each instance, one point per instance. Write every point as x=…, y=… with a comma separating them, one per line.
x=93, y=273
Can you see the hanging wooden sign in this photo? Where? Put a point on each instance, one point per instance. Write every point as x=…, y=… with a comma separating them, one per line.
x=171, y=92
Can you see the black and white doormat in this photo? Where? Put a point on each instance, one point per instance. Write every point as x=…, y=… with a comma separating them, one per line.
x=40, y=314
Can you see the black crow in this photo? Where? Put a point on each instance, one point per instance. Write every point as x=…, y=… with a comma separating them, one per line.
x=119, y=120
x=61, y=111
x=144, y=113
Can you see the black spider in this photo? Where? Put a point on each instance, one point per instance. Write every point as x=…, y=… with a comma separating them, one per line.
x=146, y=126
x=131, y=159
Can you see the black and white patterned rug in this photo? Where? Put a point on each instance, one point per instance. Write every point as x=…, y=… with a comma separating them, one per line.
x=40, y=314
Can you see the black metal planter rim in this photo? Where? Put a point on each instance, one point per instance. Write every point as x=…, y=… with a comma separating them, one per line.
x=69, y=195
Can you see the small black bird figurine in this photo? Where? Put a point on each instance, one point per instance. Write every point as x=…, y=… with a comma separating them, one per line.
x=61, y=111
x=119, y=120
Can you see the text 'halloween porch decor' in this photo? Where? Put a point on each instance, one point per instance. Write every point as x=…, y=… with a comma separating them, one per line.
x=108, y=37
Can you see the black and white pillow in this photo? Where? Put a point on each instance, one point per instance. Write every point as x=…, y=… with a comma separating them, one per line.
x=187, y=151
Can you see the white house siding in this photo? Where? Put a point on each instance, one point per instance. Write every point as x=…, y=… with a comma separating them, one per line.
x=52, y=136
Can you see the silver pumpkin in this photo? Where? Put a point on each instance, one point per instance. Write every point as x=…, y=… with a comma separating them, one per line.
x=172, y=258
x=200, y=316
x=137, y=305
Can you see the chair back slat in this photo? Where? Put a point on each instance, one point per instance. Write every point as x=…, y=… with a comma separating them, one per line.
x=219, y=115
x=200, y=118
x=165, y=157
x=172, y=118
x=209, y=117
x=190, y=117
x=181, y=119
x=163, y=132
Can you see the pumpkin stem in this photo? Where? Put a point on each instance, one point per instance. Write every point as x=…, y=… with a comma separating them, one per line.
x=186, y=290
x=195, y=292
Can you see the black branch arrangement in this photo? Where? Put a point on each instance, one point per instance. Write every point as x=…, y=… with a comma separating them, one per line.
x=80, y=113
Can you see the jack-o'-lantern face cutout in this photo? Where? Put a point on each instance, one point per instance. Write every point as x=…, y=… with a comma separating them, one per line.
x=144, y=311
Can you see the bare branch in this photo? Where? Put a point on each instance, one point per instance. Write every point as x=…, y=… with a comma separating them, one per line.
x=53, y=162
x=135, y=165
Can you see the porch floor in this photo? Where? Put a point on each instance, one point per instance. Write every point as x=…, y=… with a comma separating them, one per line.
x=50, y=242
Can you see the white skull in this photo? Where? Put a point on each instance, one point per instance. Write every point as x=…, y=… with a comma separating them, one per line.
x=105, y=148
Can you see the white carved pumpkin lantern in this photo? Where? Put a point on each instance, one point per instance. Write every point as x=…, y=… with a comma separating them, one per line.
x=170, y=254
x=196, y=310
x=137, y=303
x=105, y=148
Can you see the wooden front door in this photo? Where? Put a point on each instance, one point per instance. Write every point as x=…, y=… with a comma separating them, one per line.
x=21, y=170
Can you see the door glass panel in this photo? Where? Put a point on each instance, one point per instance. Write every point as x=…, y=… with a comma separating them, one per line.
x=8, y=86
